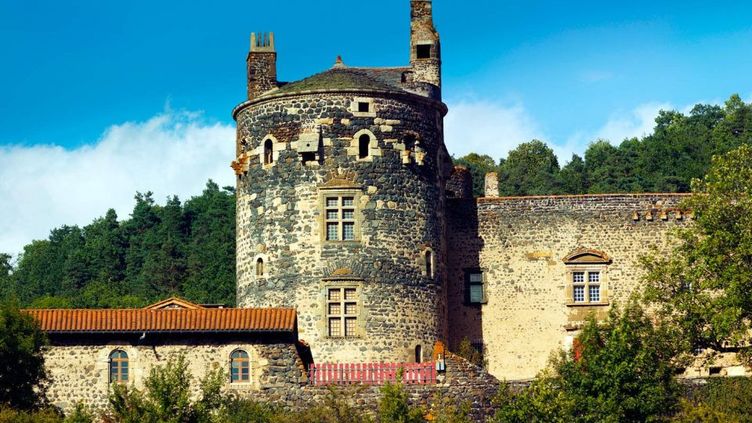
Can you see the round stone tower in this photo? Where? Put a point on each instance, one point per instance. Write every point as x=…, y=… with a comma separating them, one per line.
x=340, y=199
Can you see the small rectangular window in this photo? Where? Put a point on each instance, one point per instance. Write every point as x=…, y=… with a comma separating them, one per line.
x=423, y=51
x=334, y=294
x=579, y=294
x=350, y=293
x=474, y=289
x=342, y=312
x=331, y=232
x=476, y=294
x=594, y=293
x=363, y=107
x=348, y=231
x=350, y=326
x=586, y=287
x=339, y=215
x=335, y=326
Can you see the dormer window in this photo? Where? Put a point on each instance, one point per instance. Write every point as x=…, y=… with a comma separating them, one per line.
x=423, y=51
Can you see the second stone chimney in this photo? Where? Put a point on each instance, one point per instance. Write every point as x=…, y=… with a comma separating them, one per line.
x=492, y=185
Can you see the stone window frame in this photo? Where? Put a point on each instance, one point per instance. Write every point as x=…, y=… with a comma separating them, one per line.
x=265, y=259
x=483, y=283
x=276, y=148
x=342, y=285
x=119, y=367
x=241, y=360
x=340, y=192
x=587, y=262
x=373, y=146
x=355, y=107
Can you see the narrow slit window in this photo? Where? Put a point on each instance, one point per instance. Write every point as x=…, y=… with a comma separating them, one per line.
x=260, y=267
x=429, y=264
x=364, y=145
x=268, y=152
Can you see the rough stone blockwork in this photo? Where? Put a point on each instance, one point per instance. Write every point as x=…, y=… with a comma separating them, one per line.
x=465, y=383
x=520, y=243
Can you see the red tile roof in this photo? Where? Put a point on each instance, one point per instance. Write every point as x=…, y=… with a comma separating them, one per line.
x=165, y=320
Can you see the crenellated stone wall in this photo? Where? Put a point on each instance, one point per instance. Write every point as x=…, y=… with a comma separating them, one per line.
x=398, y=192
x=519, y=243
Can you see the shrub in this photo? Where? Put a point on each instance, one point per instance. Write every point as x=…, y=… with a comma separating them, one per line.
x=394, y=406
x=44, y=415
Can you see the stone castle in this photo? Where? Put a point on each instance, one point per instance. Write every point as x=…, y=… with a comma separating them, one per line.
x=359, y=241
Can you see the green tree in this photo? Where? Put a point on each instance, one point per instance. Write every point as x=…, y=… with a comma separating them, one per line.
x=7, y=287
x=166, y=397
x=530, y=169
x=621, y=370
x=573, y=176
x=478, y=165
x=704, y=285
x=22, y=373
x=210, y=250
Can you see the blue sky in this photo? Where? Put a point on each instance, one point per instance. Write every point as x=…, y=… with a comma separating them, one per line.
x=84, y=79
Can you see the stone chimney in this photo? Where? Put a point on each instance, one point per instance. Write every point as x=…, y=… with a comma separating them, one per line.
x=492, y=184
x=262, y=64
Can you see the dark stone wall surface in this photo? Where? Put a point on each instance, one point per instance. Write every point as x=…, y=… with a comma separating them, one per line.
x=399, y=195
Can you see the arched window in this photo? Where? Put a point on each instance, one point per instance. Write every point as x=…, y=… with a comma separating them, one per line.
x=429, y=263
x=259, y=267
x=268, y=152
x=118, y=367
x=364, y=144
x=418, y=354
x=240, y=367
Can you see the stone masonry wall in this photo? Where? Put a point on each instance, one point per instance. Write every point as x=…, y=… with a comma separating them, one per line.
x=520, y=243
x=398, y=191
x=78, y=369
x=464, y=383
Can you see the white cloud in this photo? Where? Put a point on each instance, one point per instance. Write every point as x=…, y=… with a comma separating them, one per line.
x=42, y=187
x=638, y=122
x=486, y=127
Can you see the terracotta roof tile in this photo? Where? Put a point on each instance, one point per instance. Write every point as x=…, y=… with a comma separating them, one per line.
x=165, y=320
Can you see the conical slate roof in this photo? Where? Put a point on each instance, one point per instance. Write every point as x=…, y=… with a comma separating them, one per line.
x=345, y=79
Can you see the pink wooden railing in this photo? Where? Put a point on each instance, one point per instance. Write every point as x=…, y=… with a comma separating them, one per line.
x=371, y=373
